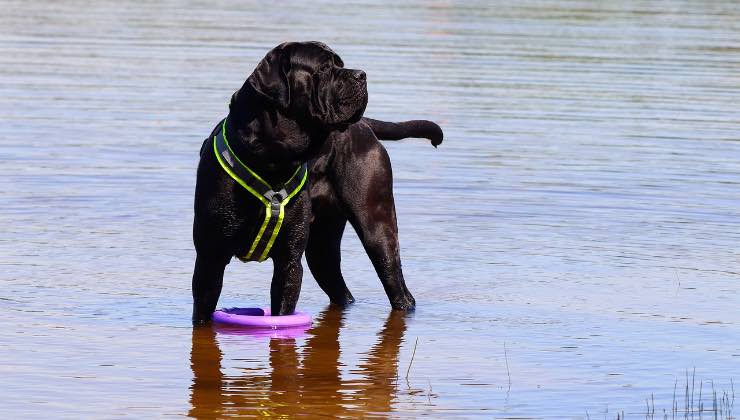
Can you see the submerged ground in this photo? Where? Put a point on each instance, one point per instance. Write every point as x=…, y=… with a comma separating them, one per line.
x=572, y=246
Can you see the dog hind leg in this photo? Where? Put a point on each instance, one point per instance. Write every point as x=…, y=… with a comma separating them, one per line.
x=366, y=194
x=379, y=236
x=323, y=257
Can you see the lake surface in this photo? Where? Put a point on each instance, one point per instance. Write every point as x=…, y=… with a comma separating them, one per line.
x=573, y=246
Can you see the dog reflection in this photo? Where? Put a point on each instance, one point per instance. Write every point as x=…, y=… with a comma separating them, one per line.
x=311, y=384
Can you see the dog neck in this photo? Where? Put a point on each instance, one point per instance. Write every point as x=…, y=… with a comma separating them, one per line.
x=268, y=140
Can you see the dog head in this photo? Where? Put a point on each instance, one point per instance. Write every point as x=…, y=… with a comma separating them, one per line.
x=307, y=80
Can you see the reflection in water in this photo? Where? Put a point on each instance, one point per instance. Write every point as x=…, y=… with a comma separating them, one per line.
x=298, y=385
x=583, y=210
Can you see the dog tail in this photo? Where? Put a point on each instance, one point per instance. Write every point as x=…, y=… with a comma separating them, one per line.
x=415, y=128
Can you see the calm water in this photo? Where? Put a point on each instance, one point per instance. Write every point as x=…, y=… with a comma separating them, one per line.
x=572, y=246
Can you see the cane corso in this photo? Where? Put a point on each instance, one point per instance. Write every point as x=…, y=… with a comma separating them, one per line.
x=300, y=105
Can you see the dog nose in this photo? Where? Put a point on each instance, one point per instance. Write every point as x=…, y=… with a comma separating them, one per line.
x=359, y=75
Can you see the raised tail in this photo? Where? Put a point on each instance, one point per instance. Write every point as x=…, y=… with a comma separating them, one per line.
x=415, y=128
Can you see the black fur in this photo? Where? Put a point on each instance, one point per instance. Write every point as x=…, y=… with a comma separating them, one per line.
x=300, y=104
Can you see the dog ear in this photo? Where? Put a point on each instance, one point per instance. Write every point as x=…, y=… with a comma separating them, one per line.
x=270, y=77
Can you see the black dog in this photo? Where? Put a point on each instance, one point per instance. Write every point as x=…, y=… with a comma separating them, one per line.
x=300, y=104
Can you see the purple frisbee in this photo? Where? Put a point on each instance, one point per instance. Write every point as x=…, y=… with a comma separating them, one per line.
x=239, y=331
x=260, y=318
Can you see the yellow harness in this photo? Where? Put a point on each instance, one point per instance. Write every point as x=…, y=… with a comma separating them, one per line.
x=274, y=198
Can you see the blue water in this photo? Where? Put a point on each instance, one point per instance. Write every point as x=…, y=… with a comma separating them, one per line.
x=572, y=245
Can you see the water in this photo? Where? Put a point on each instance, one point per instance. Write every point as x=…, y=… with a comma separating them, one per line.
x=572, y=246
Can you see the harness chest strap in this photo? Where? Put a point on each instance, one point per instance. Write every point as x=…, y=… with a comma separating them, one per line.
x=274, y=201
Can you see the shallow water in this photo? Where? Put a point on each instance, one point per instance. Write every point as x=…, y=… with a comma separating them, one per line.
x=572, y=246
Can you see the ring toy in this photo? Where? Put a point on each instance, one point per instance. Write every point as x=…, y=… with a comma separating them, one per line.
x=260, y=318
x=239, y=331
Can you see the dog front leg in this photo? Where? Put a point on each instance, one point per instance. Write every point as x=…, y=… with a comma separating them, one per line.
x=286, y=285
x=208, y=278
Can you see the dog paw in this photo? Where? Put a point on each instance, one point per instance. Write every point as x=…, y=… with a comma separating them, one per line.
x=407, y=304
x=343, y=301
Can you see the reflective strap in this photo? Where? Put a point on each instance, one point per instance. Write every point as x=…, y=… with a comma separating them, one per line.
x=263, y=228
x=274, y=202
x=300, y=180
x=236, y=168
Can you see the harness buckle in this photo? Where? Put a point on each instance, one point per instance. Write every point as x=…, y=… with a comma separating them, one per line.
x=276, y=197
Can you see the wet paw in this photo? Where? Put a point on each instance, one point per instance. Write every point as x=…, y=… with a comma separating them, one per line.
x=345, y=300
x=406, y=304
